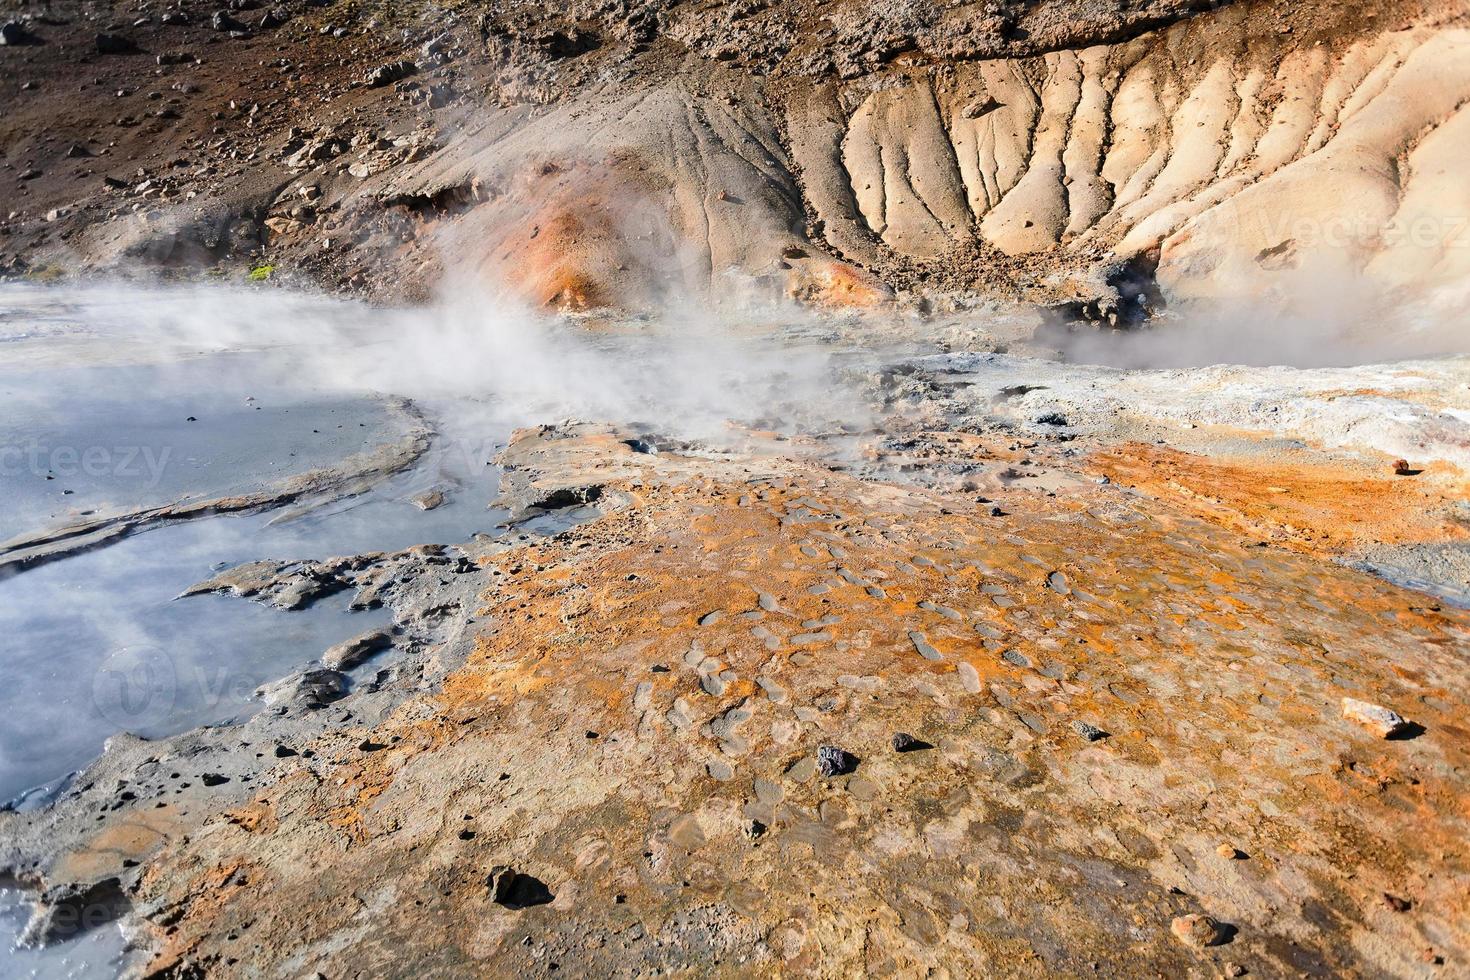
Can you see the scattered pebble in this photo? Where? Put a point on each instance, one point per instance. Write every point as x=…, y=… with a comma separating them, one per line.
x=1379, y=720
x=1092, y=733
x=833, y=761
x=1397, y=904
x=904, y=742
x=802, y=770
x=944, y=611
x=1198, y=930
x=923, y=646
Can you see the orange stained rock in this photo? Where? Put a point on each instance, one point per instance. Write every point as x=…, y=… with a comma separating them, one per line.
x=1301, y=503
x=826, y=283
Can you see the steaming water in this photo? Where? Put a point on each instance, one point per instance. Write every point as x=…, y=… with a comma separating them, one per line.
x=97, y=642
x=79, y=629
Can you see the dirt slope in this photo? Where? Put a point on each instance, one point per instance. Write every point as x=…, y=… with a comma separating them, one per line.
x=606, y=158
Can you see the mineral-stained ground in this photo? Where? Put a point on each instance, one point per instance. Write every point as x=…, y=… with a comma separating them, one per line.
x=1003, y=697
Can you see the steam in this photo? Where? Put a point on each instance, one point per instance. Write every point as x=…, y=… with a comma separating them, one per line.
x=691, y=376
x=1315, y=316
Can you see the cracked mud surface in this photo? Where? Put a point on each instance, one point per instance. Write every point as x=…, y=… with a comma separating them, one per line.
x=665, y=739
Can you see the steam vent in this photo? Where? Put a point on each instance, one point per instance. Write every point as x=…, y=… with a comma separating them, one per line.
x=819, y=489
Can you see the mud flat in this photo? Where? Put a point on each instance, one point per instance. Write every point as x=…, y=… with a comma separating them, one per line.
x=777, y=696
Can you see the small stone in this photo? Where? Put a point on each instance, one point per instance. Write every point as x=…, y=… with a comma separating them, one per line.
x=428, y=500
x=1198, y=930
x=310, y=688
x=802, y=770
x=13, y=32
x=1227, y=851
x=1377, y=719
x=1234, y=970
x=904, y=742
x=833, y=761
x=390, y=73
x=769, y=792
x=924, y=647
x=516, y=891
x=1397, y=904
x=348, y=654
x=1089, y=731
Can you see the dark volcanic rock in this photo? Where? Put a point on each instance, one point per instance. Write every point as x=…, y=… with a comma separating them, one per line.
x=13, y=32
x=904, y=742
x=115, y=44
x=514, y=890
x=832, y=761
x=222, y=21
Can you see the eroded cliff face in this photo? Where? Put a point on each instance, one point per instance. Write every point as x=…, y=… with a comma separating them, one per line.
x=643, y=160
x=1221, y=154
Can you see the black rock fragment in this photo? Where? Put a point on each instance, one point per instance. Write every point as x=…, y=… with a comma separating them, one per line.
x=514, y=890
x=832, y=761
x=904, y=742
